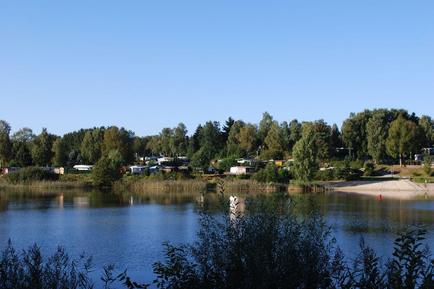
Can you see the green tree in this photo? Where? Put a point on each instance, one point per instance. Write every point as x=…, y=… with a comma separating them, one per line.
x=210, y=142
x=139, y=146
x=264, y=126
x=275, y=143
x=354, y=133
x=426, y=125
x=60, y=152
x=401, y=140
x=233, y=147
x=166, y=142
x=42, y=152
x=227, y=128
x=427, y=163
x=335, y=139
x=21, y=145
x=322, y=131
x=154, y=145
x=90, y=147
x=5, y=143
x=120, y=140
x=21, y=153
x=108, y=169
x=23, y=135
x=376, y=131
x=305, y=154
x=294, y=132
x=247, y=138
x=180, y=140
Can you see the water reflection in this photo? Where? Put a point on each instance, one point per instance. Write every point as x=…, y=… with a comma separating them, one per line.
x=133, y=226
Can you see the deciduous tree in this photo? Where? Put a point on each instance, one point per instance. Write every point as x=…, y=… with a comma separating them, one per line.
x=305, y=154
x=401, y=139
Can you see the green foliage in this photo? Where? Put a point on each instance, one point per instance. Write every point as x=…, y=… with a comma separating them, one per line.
x=21, y=154
x=305, y=154
x=427, y=162
x=354, y=133
x=42, y=148
x=271, y=174
x=369, y=168
x=402, y=138
x=268, y=248
x=226, y=163
x=30, y=270
x=60, y=157
x=275, y=142
x=107, y=170
x=368, y=133
x=271, y=248
x=233, y=147
x=326, y=175
x=426, y=125
x=30, y=174
x=5, y=143
x=91, y=146
x=264, y=126
x=247, y=139
x=120, y=140
x=377, y=130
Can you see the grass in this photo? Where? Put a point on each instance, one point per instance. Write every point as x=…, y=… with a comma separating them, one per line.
x=65, y=181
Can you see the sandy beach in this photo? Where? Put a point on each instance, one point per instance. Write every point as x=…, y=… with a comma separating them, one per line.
x=389, y=189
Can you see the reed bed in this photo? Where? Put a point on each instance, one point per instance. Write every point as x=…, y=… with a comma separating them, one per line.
x=144, y=185
x=46, y=185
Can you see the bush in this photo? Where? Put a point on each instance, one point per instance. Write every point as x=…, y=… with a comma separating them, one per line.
x=226, y=164
x=325, y=175
x=272, y=174
x=271, y=248
x=30, y=174
x=105, y=172
x=368, y=167
x=427, y=160
x=30, y=271
x=263, y=249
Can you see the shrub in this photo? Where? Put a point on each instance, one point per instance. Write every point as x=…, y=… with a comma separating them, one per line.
x=271, y=248
x=325, y=175
x=226, y=164
x=30, y=174
x=271, y=173
x=368, y=167
x=427, y=160
x=268, y=248
x=105, y=172
x=30, y=270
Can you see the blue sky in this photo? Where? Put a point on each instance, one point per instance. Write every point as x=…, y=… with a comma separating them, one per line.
x=147, y=65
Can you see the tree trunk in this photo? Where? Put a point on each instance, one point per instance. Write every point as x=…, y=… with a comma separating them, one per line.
x=400, y=160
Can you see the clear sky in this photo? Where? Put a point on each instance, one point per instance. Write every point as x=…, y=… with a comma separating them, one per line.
x=146, y=65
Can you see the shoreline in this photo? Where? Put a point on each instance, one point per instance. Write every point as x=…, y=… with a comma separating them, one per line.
x=403, y=189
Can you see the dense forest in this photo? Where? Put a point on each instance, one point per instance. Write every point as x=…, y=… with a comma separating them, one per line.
x=383, y=135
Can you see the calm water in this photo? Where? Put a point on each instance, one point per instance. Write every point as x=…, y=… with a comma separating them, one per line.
x=128, y=230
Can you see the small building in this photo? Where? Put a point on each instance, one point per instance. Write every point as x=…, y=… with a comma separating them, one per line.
x=241, y=170
x=83, y=167
x=137, y=170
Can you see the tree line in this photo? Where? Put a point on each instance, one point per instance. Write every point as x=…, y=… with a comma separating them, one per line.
x=379, y=134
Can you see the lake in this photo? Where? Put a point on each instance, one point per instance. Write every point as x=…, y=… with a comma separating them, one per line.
x=128, y=230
